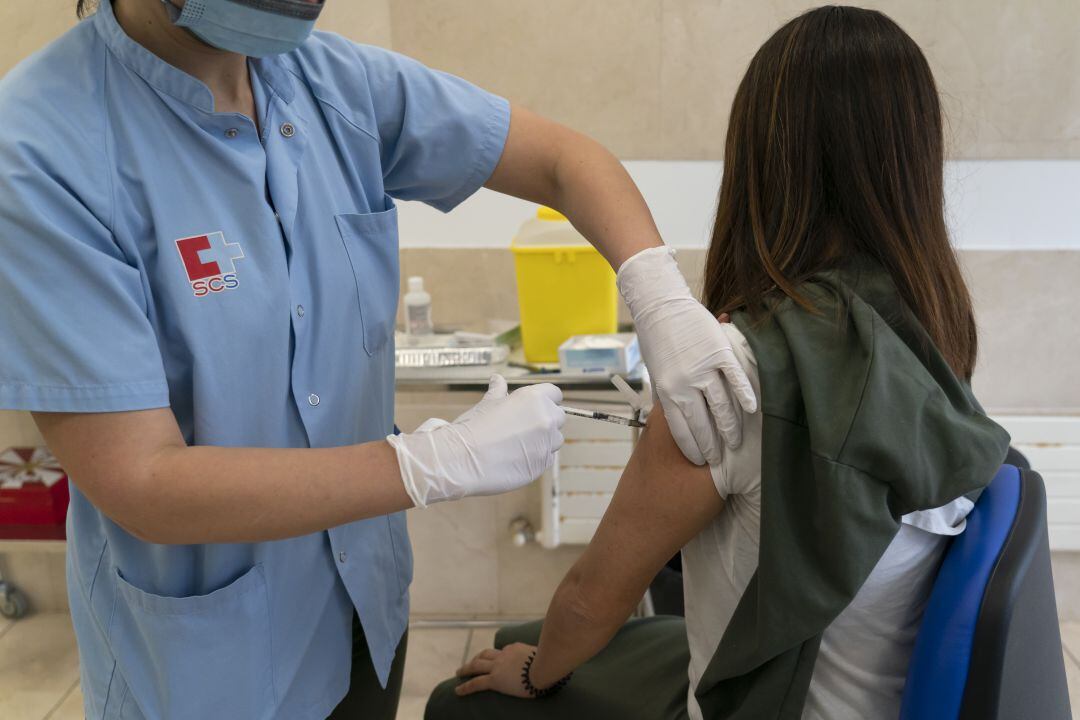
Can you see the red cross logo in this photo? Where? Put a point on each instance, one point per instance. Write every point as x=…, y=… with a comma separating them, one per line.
x=210, y=262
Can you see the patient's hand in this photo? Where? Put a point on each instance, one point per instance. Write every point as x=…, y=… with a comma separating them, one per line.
x=498, y=670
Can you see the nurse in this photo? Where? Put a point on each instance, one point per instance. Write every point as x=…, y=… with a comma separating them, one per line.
x=198, y=287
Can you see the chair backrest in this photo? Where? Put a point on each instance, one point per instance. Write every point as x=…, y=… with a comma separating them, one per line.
x=990, y=646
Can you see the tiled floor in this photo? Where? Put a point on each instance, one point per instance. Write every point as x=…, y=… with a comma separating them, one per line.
x=39, y=674
x=39, y=667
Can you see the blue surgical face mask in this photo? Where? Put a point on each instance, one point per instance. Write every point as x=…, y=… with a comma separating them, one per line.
x=249, y=27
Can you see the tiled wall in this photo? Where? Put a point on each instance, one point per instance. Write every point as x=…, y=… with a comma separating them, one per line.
x=27, y=26
x=655, y=78
x=1025, y=303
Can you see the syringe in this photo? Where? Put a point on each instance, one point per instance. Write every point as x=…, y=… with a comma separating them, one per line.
x=602, y=416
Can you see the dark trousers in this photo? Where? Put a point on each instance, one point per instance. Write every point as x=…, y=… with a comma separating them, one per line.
x=640, y=675
x=366, y=699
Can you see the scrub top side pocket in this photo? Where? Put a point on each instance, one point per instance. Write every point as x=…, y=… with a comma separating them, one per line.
x=371, y=242
x=220, y=642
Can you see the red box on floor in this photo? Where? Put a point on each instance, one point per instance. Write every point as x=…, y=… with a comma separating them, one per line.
x=33, y=495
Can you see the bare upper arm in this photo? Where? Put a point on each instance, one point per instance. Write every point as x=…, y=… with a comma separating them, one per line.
x=110, y=456
x=662, y=501
x=526, y=168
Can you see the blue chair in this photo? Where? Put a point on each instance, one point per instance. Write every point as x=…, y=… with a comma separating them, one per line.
x=990, y=647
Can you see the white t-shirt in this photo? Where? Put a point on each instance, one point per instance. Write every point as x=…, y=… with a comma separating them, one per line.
x=862, y=663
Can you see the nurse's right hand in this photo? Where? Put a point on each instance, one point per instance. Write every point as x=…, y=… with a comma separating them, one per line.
x=501, y=444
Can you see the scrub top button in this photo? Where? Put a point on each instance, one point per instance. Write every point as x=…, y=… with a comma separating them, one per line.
x=288, y=130
x=342, y=557
x=299, y=311
x=231, y=133
x=313, y=399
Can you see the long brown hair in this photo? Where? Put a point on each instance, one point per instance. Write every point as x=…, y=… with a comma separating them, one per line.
x=835, y=148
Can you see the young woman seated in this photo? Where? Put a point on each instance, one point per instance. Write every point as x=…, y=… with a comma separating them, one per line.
x=810, y=550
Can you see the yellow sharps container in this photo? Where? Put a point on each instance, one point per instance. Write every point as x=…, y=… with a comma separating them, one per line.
x=565, y=287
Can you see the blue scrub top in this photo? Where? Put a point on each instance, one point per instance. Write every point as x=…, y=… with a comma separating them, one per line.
x=154, y=253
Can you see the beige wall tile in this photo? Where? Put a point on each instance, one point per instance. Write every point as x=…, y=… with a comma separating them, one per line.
x=1007, y=70
x=365, y=21
x=527, y=575
x=593, y=65
x=17, y=429
x=455, y=564
x=1001, y=67
x=1015, y=65
x=1025, y=305
x=455, y=558
x=655, y=78
x=413, y=407
x=474, y=285
x=26, y=27
x=692, y=264
x=707, y=47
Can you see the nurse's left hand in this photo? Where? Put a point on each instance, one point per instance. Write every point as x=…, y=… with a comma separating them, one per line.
x=696, y=375
x=498, y=670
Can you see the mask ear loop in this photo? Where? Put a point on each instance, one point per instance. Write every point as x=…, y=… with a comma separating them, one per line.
x=185, y=16
x=174, y=12
x=182, y=17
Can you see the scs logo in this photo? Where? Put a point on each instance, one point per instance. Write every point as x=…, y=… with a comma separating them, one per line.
x=210, y=263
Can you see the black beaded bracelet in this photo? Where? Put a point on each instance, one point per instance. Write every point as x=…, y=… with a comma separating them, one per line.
x=535, y=691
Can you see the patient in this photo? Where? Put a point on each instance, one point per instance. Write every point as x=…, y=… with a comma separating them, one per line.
x=810, y=550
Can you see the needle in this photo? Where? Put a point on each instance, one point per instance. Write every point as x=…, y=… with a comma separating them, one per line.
x=602, y=416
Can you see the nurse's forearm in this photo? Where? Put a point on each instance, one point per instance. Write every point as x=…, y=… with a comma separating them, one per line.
x=215, y=495
x=548, y=163
x=137, y=469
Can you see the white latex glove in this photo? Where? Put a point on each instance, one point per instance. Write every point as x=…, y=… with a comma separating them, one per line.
x=688, y=356
x=502, y=443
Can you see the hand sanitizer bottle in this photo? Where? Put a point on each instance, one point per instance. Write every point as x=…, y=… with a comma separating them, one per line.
x=418, y=309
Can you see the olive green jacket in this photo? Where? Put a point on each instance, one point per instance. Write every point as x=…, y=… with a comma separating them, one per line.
x=864, y=422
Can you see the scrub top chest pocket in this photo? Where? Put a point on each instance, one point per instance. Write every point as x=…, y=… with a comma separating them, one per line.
x=371, y=244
